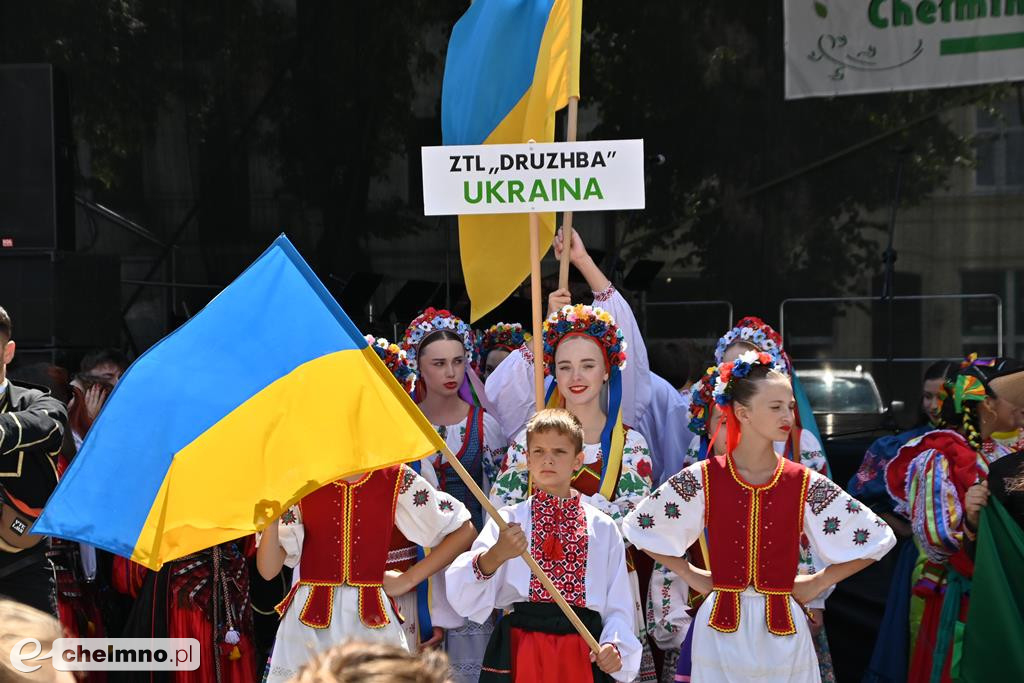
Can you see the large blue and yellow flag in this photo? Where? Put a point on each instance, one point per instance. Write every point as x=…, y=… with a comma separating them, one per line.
x=264, y=396
x=511, y=65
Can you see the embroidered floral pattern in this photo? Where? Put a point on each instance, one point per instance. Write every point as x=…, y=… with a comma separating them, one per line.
x=860, y=536
x=289, y=516
x=671, y=511
x=445, y=505
x=831, y=525
x=645, y=521
x=852, y=506
x=420, y=498
x=821, y=494
x=684, y=484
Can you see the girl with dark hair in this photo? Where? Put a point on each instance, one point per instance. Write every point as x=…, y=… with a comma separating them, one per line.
x=755, y=504
x=938, y=481
x=868, y=484
x=902, y=615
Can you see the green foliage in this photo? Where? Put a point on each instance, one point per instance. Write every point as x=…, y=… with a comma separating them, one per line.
x=703, y=85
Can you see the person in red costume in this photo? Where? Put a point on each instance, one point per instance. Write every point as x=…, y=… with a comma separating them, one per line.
x=204, y=596
x=339, y=537
x=755, y=504
x=939, y=482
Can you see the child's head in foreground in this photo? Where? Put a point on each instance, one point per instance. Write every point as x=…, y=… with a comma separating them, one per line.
x=361, y=662
x=554, y=450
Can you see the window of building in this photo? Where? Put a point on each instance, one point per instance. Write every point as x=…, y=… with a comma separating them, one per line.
x=979, y=326
x=999, y=144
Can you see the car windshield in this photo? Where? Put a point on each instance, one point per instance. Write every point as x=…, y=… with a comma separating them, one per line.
x=841, y=394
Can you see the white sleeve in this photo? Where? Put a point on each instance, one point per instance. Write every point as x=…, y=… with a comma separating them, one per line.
x=512, y=485
x=812, y=455
x=618, y=625
x=495, y=446
x=469, y=592
x=839, y=527
x=424, y=514
x=290, y=534
x=510, y=390
x=669, y=520
x=667, y=602
x=636, y=376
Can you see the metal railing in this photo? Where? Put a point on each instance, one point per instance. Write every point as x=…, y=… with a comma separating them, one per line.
x=877, y=299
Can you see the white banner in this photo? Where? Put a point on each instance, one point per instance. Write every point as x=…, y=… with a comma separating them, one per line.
x=841, y=47
x=533, y=177
x=108, y=654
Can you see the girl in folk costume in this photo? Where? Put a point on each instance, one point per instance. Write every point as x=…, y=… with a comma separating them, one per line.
x=582, y=551
x=422, y=616
x=340, y=538
x=510, y=386
x=497, y=342
x=892, y=648
x=803, y=446
x=938, y=480
x=439, y=347
x=755, y=504
x=205, y=596
x=584, y=350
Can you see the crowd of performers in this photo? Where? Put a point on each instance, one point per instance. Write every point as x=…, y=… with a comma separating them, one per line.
x=695, y=531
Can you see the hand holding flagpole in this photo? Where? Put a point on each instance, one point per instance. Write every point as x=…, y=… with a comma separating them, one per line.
x=545, y=581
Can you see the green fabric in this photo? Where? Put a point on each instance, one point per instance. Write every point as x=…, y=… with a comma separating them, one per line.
x=956, y=586
x=995, y=621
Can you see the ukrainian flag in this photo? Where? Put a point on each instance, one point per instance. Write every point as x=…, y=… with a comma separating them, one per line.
x=264, y=396
x=511, y=65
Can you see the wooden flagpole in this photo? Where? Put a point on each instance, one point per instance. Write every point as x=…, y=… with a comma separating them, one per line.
x=570, y=136
x=563, y=265
x=535, y=296
x=545, y=581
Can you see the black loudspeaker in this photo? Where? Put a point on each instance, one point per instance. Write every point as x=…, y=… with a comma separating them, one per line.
x=36, y=175
x=62, y=299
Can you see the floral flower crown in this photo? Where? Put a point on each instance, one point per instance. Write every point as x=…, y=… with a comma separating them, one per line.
x=509, y=336
x=395, y=359
x=754, y=331
x=701, y=398
x=590, y=321
x=739, y=368
x=428, y=322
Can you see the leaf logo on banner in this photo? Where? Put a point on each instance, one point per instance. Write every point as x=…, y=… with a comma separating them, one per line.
x=820, y=9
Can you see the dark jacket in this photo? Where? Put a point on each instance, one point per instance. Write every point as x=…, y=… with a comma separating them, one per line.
x=32, y=424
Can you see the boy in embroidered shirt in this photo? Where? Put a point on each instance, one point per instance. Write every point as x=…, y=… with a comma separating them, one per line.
x=582, y=551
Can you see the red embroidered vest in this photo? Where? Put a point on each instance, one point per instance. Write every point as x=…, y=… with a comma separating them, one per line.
x=763, y=549
x=348, y=529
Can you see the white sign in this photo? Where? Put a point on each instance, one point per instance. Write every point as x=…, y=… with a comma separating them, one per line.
x=841, y=47
x=108, y=654
x=533, y=177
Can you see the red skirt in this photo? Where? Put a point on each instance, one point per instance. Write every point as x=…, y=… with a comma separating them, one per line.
x=549, y=657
